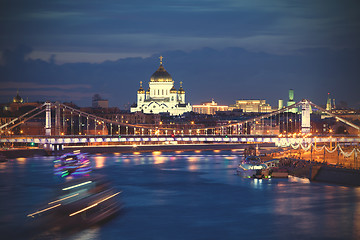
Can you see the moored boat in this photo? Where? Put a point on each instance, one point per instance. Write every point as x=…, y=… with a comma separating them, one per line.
x=279, y=173
x=251, y=167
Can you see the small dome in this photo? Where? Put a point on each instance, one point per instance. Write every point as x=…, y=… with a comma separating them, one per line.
x=181, y=90
x=141, y=90
x=173, y=90
x=18, y=99
x=161, y=75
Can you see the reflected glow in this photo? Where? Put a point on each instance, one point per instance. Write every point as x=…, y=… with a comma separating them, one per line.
x=217, y=151
x=99, y=162
x=136, y=153
x=21, y=160
x=237, y=150
x=192, y=159
x=178, y=151
x=117, y=154
x=159, y=159
x=193, y=167
x=156, y=153
x=198, y=151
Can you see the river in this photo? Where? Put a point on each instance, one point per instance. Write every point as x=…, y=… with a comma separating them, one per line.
x=185, y=195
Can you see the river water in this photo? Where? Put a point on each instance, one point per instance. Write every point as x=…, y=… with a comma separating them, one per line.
x=185, y=195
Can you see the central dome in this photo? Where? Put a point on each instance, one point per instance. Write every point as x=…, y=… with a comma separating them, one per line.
x=161, y=75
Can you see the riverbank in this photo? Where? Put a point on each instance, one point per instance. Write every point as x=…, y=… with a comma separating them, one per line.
x=321, y=172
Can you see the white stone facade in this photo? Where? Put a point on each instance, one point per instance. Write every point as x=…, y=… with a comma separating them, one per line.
x=161, y=97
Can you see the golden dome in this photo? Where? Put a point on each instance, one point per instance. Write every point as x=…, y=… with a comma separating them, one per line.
x=181, y=90
x=161, y=75
x=17, y=98
x=141, y=90
x=173, y=90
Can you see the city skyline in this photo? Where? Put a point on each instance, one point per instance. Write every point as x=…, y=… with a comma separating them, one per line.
x=229, y=50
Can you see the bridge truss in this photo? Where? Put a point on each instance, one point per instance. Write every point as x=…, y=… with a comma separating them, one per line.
x=70, y=125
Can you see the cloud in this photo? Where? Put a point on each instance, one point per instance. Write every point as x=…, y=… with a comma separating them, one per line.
x=33, y=85
x=104, y=30
x=15, y=56
x=50, y=95
x=225, y=75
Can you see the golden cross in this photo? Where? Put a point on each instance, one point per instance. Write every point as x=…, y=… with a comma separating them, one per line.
x=161, y=58
x=181, y=84
x=140, y=83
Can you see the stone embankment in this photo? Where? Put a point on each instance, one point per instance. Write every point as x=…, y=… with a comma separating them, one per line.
x=321, y=172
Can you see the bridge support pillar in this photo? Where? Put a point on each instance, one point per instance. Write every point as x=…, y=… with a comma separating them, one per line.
x=57, y=118
x=48, y=119
x=47, y=146
x=305, y=116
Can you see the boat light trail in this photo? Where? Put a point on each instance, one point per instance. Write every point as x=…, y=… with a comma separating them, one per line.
x=95, y=204
x=63, y=198
x=32, y=215
x=78, y=185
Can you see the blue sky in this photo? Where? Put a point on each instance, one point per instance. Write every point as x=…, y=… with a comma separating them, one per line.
x=226, y=50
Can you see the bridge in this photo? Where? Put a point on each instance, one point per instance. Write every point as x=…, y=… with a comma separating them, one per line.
x=284, y=127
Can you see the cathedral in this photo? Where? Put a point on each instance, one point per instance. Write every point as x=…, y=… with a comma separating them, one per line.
x=161, y=96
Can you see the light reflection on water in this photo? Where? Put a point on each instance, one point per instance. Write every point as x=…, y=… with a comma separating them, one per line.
x=99, y=161
x=192, y=186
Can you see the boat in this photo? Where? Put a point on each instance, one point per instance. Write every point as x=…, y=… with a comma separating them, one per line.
x=252, y=167
x=78, y=203
x=279, y=172
x=275, y=171
x=75, y=163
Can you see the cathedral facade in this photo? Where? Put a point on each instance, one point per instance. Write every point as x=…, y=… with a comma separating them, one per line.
x=161, y=96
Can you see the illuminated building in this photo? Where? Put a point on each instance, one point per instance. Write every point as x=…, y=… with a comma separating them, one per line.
x=161, y=96
x=330, y=103
x=291, y=101
x=252, y=106
x=280, y=104
x=17, y=98
x=209, y=108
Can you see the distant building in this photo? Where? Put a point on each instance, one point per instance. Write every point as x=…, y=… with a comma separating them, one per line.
x=209, y=108
x=280, y=104
x=249, y=106
x=121, y=116
x=17, y=98
x=18, y=103
x=161, y=96
x=98, y=102
x=291, y=101
x=330, y=103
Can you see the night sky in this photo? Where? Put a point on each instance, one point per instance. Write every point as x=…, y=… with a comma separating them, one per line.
x=69, y=50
